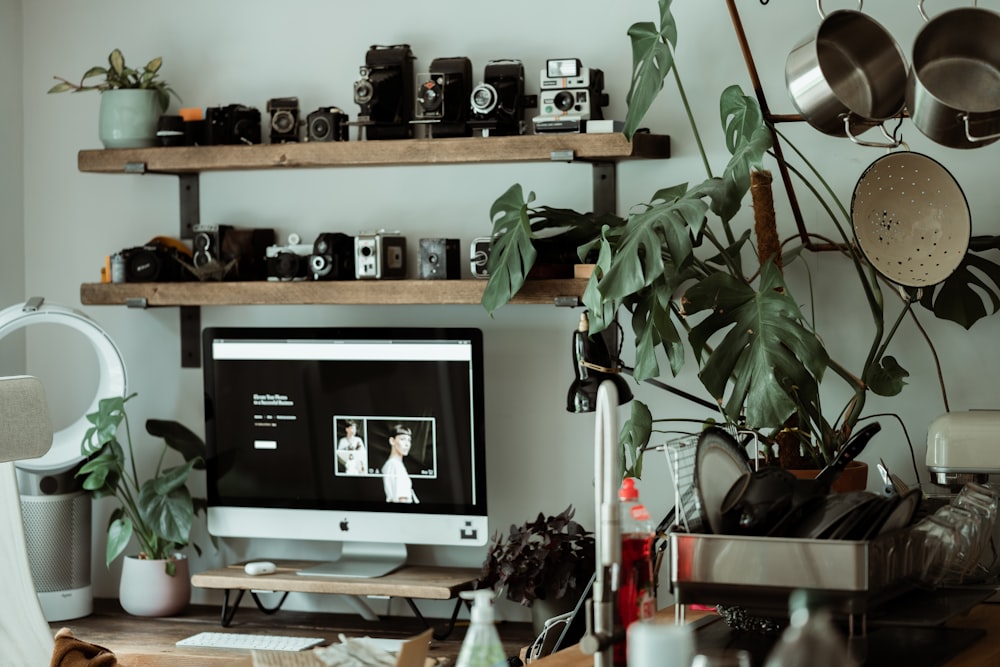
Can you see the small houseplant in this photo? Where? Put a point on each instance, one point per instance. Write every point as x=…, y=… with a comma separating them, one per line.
x=542, y=559
x=131, y=100
x=159, y=512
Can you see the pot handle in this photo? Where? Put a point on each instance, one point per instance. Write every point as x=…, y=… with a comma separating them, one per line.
x=861, y=3
x=893, y=143
x=968, y=132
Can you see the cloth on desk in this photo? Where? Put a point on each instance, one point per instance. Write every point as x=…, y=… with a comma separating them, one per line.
x=72, y=652
x=352, y=652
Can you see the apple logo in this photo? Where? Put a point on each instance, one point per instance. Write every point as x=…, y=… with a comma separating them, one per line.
x=343, y=525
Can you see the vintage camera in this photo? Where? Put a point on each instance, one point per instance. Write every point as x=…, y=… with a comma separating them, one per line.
x=570, y=96
x=238, y=252
x=332, y=257
x=439, y=259
x=497, y=104
x=207, y=244
x=290, y=261
x=385, y=92
x=479, y=257
x=232, y=124
x=442, y=96
x=380, y=255
x=284, y=119
x=154, y=262
x=326, y=124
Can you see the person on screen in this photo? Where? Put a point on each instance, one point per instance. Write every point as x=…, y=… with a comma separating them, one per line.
x=395, y=479
x=351, y=450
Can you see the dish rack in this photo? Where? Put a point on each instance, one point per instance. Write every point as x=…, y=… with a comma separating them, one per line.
x=758, y=573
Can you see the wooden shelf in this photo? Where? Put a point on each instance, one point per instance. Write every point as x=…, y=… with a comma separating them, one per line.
x=464, y=150
x=348, y=292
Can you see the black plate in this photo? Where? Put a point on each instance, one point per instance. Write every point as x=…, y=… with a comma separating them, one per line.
x=719, y=462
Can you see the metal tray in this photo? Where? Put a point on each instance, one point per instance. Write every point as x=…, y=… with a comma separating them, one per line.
x=758, y=573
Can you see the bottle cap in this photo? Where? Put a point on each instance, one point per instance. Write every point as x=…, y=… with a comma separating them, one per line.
x=628, y=492
x=482, y=604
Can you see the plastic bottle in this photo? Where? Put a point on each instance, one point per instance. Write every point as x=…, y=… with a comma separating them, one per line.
x=637, y=584
x=810, y=640
x=481, y=646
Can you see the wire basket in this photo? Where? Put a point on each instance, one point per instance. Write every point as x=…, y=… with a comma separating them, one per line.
x=680, y=453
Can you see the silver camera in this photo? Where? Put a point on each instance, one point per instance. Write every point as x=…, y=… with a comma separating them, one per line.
x=290, y=261
x=479, y=257
x=570, y=95
x=380, y=255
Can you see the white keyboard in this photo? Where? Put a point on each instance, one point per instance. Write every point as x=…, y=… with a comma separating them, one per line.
x=249, y=641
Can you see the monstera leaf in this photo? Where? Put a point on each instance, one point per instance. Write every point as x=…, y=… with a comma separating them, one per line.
x=770, y=358
x=652, y=60
x=511, y=252
x=972, y=291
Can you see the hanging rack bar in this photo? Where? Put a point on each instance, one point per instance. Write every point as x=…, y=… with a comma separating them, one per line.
x=771, y=121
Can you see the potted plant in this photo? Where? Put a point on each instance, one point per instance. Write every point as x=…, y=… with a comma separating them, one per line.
x=131, y=100
x=545, y=560
x=158, y=512
x=692, y=285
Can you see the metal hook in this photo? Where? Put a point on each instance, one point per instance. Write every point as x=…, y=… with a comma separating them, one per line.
x=822, y=14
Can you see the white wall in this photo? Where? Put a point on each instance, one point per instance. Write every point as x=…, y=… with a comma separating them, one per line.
x=11, y=178
x=220, y=53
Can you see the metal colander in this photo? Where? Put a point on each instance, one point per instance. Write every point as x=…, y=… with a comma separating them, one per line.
x=911, y=219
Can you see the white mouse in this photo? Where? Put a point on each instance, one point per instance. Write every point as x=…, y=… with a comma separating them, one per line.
x=258, y=567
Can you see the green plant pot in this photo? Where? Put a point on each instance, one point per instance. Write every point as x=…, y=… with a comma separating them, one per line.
x=128, y=118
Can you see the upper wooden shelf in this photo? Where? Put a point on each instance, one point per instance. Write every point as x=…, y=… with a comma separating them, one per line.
x=334, y=292
x=528, y=148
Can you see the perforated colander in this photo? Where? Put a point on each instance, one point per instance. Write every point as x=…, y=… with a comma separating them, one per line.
x=911, y=219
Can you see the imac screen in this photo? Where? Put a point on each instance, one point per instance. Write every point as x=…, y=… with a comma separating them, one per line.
x=356, y=435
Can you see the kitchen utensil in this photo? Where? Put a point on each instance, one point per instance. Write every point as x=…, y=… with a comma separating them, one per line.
x=719, y=462
x=771, y=501
x=953, y=86
x=911, y=219
x=902, y=512
x=834, y=508
x=848, y=77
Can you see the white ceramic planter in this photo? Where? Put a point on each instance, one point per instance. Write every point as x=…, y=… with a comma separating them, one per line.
x=128, y=118
x=147, y=590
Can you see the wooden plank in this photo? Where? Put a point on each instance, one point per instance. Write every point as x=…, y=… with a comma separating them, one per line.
x=419, y=582
x=345, y=292
x=529, y=148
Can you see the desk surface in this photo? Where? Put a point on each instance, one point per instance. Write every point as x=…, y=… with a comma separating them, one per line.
x=149, y=642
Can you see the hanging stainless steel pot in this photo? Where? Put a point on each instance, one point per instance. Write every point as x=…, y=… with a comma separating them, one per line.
x=953, y=88
x=911, y=219
x=849, y=77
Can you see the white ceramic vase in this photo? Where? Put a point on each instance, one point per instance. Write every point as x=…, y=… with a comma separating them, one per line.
x=146, y=589
x=128, y=118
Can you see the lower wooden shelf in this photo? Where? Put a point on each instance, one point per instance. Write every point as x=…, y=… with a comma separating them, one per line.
x=349, y=292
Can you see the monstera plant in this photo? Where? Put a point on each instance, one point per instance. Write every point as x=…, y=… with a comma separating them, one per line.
x=678, y=269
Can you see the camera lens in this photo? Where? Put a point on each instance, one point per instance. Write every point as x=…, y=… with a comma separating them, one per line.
x=430, y=96
x=366, y=251
x=563, y=100
x=319, y=128
x=484, y=98
x=282, y=121
x=363, y=91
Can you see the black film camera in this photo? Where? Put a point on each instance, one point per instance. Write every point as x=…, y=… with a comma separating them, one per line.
x=385, y=92
x=498, y=103
x=442, y=96
x=439, y=259
x=238, y=252
x=232, y=124
x=332, y=257
x=570, y=96
x=284, y=119
x=154, y=262
x=326, y=124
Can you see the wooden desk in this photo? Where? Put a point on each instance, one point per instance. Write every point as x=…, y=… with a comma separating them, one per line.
x=985, y=652
x=149, y=642
x=408, y=582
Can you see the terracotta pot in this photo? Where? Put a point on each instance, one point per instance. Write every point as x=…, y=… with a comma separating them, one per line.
x=147, y=590
x=854, y=477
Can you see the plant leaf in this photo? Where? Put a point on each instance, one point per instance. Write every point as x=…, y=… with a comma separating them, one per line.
x=652, y=58
x=119, y=533
x=511, y=254
x=117, y=62
x=772, y=360
x=886, y=377
x=634, y=437
x=179, y=438
x=748, y=140
x=969, y=294
x=167, y=508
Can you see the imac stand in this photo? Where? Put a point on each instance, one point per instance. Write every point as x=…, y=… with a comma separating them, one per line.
x=362, y=559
